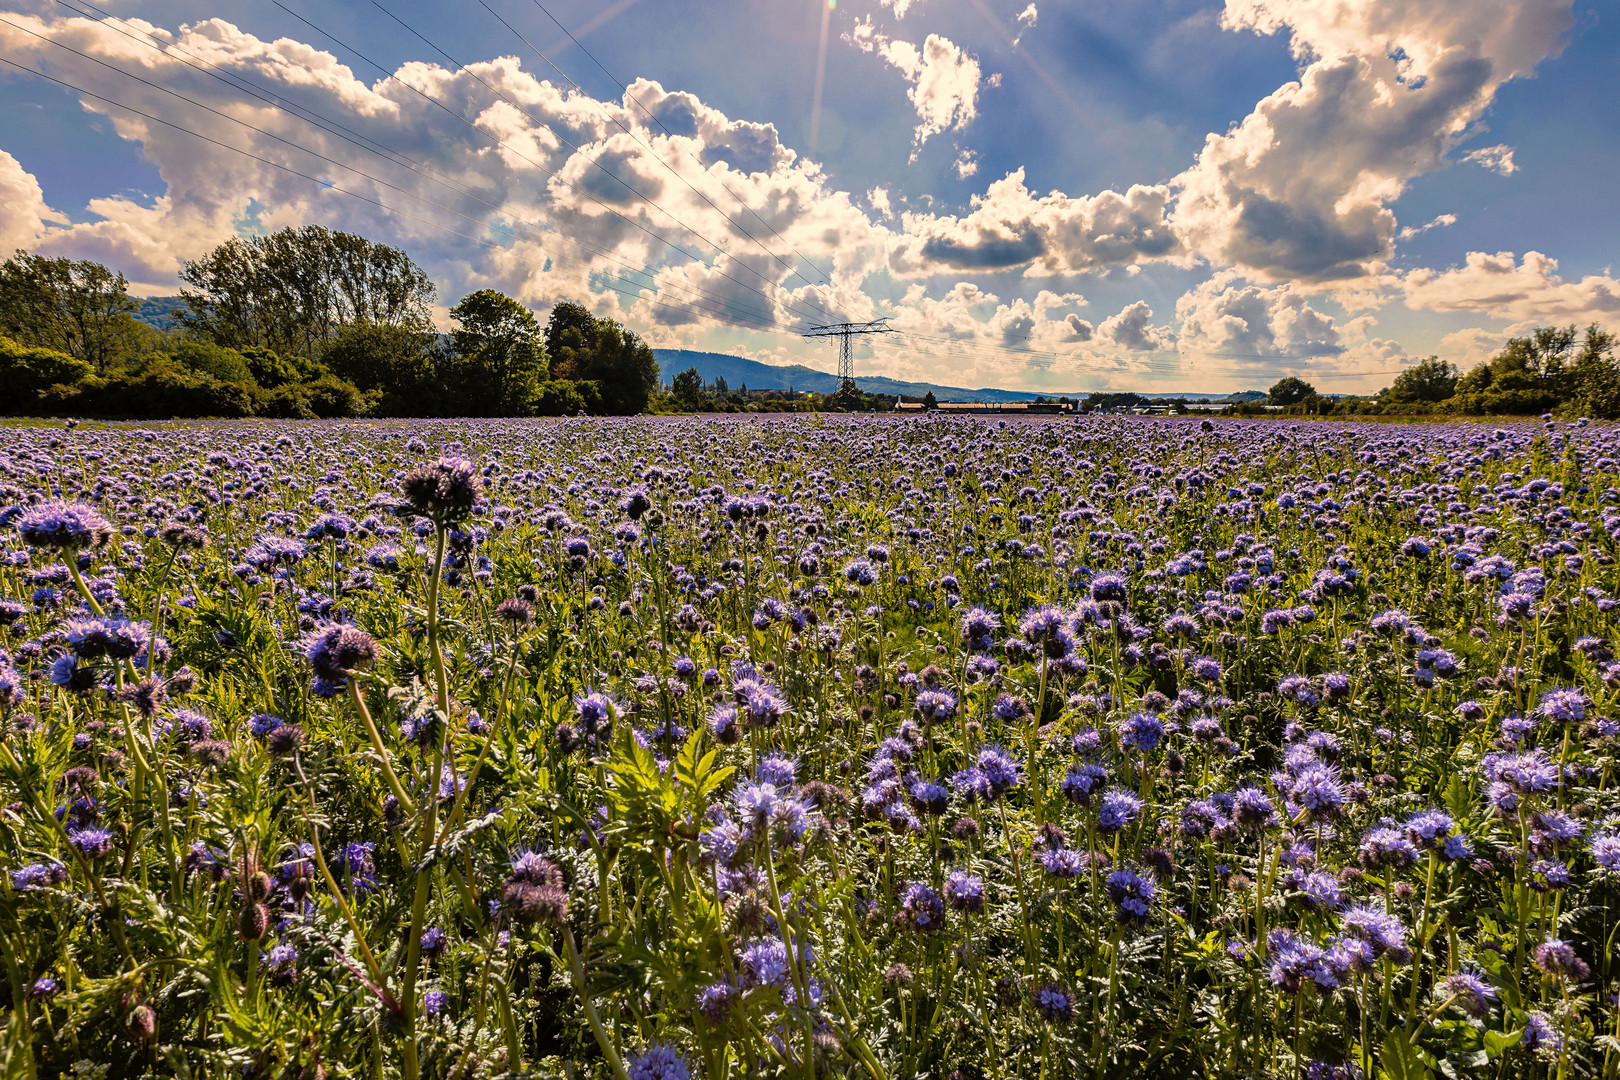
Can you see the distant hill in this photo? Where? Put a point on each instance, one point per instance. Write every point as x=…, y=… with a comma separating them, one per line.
x=757, y=376
x=739, y=372
x=158, y=311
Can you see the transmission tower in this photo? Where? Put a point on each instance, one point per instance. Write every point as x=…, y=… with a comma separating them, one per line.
x=844, y=332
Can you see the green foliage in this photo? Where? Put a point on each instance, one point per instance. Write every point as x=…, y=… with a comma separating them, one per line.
x=27, y=371
x=294, y=290
x=567, y=397
x=163, y=388
x=79, y=308
x=205, y=358
x=1290, y=391
x=583, y=347
x=502, y=354
x=1432, y=380
x=325, y=397
x=1597, y=376
x=270, y=370
x=687, y=389
x=394, y=362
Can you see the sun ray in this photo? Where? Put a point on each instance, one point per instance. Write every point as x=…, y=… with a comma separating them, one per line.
x=821, y=72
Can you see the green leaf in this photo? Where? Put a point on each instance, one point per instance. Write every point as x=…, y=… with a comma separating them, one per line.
x=1399, y=1059
x=1498, y=1043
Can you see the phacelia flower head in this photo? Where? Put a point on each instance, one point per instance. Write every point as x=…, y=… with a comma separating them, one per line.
x=65, y=527
x=964, y=892
x=1469, y=991
x=660, y=1062
x=334, y=652
x=446, y=490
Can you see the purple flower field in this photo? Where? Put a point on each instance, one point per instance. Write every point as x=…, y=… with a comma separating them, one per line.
x=656, y=749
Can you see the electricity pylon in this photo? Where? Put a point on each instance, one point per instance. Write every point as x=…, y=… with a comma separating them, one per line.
x=844, y=332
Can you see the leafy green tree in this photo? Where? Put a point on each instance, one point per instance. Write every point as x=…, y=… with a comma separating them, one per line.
x=270, y=370
x=1597, y=376
x=79, y=308
x=687, y=389
x=502, y=353
x=565, y=397
x=27, y=371
x=1432, y=380
x=1543, y=356
x=393, y=363
x=1290, y=391
x=585, y=348
x=206, y=358
x=930, y=401
x=294, y=290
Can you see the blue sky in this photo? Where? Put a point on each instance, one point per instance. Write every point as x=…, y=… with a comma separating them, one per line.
x=1078, y=195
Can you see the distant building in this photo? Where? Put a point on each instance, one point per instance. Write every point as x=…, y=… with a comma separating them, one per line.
x=1002, y=408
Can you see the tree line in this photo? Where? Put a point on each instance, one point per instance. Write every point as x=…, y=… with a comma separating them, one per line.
x=304, y=322
x=1552, y=369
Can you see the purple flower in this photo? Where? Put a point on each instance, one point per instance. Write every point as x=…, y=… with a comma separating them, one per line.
x=1557, y=958
x=764, y=963
x=921, y=909
x=1082, y=782
x=66, y=527
x=446, y=490
x=1062, y=862
x=1383, y=933
x=1563, y=706
x=1253, y=808
x=1428, y=829
x=660, y=1062
x=1387, y=849
x=91, y=841
x=1119, y=808
x=936, y=705
x=334, y=652
x=1053, y=1003
x=1142, y=732
x=964, y=891
x=1469, y=991
x=1540, y=1034
x=1132, y=895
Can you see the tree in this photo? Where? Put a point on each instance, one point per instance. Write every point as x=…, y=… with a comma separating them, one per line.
x=502, y=353
x=1432, y=380
x=294, y=290
x=1597, y=376
x=929, y=401
x=81, y=308
x=215, y=361
x=588, y=349
x=28, y=371
x=271, y=371
x=688, y=389
x=1542, y=355
x=393, y=363
x=571, y=326
x=1290, y=391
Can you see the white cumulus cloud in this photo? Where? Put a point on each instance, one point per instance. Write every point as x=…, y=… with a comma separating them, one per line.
x=1498, y=159
x=944, y=79
x=1522, y=290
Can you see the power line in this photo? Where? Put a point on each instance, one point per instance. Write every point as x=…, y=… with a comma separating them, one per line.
x=973, y=350
x=638, y=294
x=330, y=186
x=415, y=166
x=625, y=88
x=572, y=145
